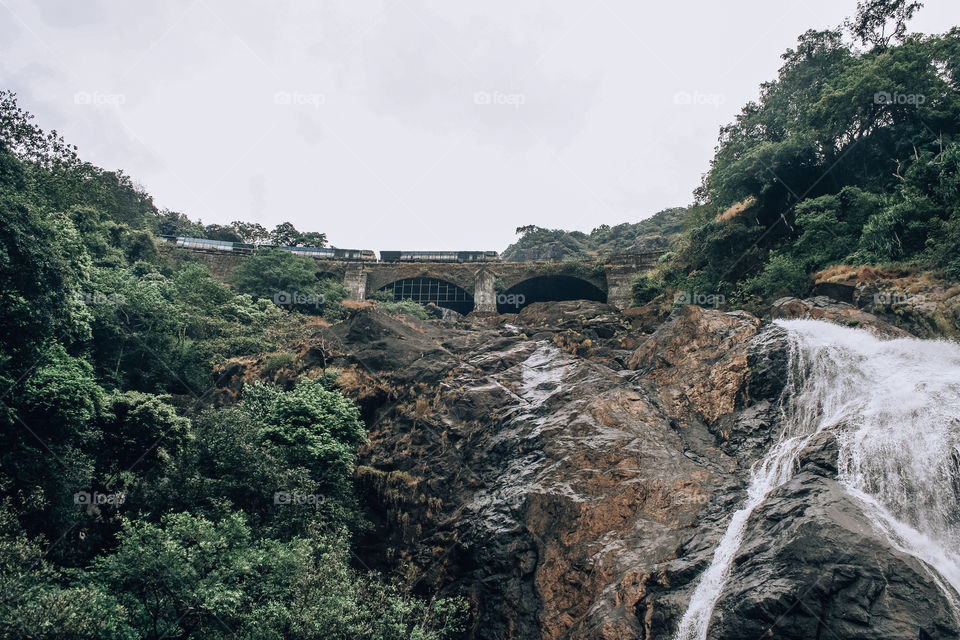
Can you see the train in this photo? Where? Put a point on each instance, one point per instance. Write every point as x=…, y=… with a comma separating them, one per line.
x=439, y=256
x=332, y=253
x=329, y=253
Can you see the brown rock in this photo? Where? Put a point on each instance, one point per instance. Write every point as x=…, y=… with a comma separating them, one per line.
x=559, y=486
x=698, y=360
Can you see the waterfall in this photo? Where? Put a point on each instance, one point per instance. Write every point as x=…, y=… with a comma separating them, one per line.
x=894, y=406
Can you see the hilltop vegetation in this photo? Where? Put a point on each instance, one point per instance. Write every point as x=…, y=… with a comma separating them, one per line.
x=652, y=234
x=851, y=156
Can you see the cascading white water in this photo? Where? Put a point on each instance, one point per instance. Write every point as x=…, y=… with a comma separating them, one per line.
x=895, y=408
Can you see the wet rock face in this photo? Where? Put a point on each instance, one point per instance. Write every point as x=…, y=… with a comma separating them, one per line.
x=812, y=566
x=698, y=361
x=572, y=476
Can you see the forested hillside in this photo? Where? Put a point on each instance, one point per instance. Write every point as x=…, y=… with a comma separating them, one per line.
x=652, y=234
x=130, y=505
x=851, y=156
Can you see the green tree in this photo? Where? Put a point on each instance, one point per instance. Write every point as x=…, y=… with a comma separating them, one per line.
x=842, y=158
x=221, y=232
x=272, y=271
x=40, y=602
x=46, y=437
x=228, y=465
x=174, y=223
x=301, y=441
x=285, y=234
x=880, y=22
x=782, y=275
x=830, y=225
x=189, y=577
x=288, y=280
x=251, y=233
x=19, y=136
x=312, y=427
x=139, y=431
x=135, y=332
x=527, y=229
x=43, y=269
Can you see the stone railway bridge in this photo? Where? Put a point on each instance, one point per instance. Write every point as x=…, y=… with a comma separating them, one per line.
x=503, y=287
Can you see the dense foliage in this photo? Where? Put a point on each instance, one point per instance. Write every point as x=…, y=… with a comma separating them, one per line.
x=288, y=280
x=851, y=156
x=652, y=234
x=129, y=508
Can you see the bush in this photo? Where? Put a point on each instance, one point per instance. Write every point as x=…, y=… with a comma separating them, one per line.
x=782, y=276
x=645, y=289
x=404, y=307
x=277, y=362
x=311, y=427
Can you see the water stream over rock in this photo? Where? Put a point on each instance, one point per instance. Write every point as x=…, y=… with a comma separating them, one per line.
x=893, y=406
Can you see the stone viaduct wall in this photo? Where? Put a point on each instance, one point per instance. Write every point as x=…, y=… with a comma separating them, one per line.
x=482, y=280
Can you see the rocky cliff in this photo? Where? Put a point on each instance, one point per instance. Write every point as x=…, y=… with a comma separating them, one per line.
x=572, y=476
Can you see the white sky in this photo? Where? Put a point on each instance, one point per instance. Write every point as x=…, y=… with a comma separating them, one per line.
x=404, y=124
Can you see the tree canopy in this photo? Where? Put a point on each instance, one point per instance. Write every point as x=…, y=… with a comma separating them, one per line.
x=133, y=505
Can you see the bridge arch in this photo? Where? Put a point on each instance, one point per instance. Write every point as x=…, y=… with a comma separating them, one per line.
x=547, y=288
x=425, y=289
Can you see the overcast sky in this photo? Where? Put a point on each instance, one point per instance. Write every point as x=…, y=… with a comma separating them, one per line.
x=401, y=124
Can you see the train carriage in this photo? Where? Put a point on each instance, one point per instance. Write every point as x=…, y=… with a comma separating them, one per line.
x=322, y=253
x=355, y=254
x=439, y=256
x=204, y=243
x=311, y=252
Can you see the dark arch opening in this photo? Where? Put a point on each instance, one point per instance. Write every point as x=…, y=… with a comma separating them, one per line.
x=439, y=292
x=327, y=274
x=547, y=289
